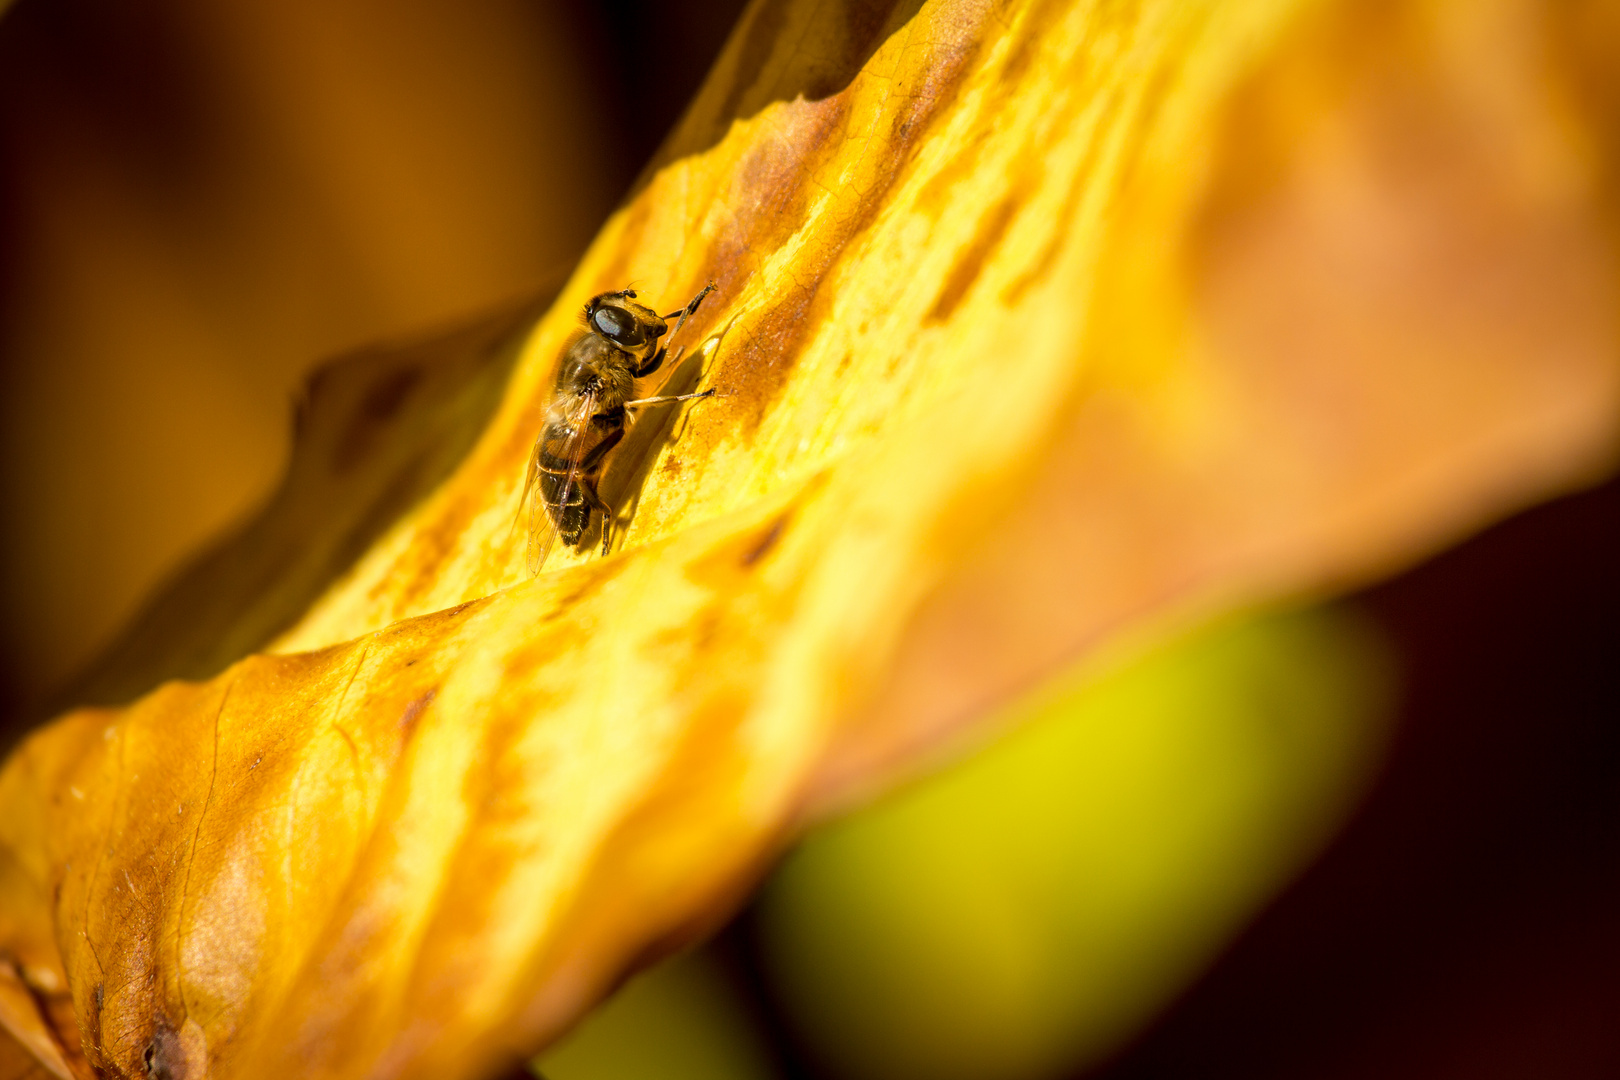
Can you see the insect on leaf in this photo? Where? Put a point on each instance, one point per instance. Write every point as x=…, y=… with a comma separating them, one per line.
x=1045, y=322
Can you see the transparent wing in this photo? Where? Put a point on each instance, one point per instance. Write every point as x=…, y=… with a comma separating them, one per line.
x=542, y=523
x=562, y=440
x=531, y=487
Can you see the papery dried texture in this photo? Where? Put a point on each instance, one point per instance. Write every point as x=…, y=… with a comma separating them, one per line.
x=1056, y=319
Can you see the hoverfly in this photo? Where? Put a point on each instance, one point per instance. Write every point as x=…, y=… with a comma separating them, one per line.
x=586, y=417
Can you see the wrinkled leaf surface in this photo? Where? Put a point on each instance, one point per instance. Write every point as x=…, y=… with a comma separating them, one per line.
x=1037, y=323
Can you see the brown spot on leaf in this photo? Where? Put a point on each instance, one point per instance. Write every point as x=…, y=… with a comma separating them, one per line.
x=766, y=542
x=785, y=51
x=755, y=372
x=413, y=712
x=965, y=271
x=163, y=1057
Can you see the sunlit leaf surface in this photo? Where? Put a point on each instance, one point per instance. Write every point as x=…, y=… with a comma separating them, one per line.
x=1037, y=323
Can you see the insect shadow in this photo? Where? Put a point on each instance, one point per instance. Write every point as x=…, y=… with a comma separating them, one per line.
x=625, y=477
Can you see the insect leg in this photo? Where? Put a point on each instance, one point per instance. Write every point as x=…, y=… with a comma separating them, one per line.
x=593, y=500
x=690, y=309
x=666, y=400
x=586, y=485
x=657, y=360
x=593, y=458
x=653, y=364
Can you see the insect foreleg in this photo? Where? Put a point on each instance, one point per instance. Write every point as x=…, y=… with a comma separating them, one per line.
x=657, y=360
x=651, y=365
x=690, y=309
x=594, y=456
x=692, y=304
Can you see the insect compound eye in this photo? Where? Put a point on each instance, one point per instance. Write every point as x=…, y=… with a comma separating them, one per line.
x=616, y=325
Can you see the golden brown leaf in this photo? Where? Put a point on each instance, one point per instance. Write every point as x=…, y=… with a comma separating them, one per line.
x=1037, y=323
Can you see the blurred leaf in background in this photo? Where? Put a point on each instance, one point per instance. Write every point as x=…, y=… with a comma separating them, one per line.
x=686, y=1019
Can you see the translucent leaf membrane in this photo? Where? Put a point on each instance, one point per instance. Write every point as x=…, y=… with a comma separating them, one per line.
x=1037, y=324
